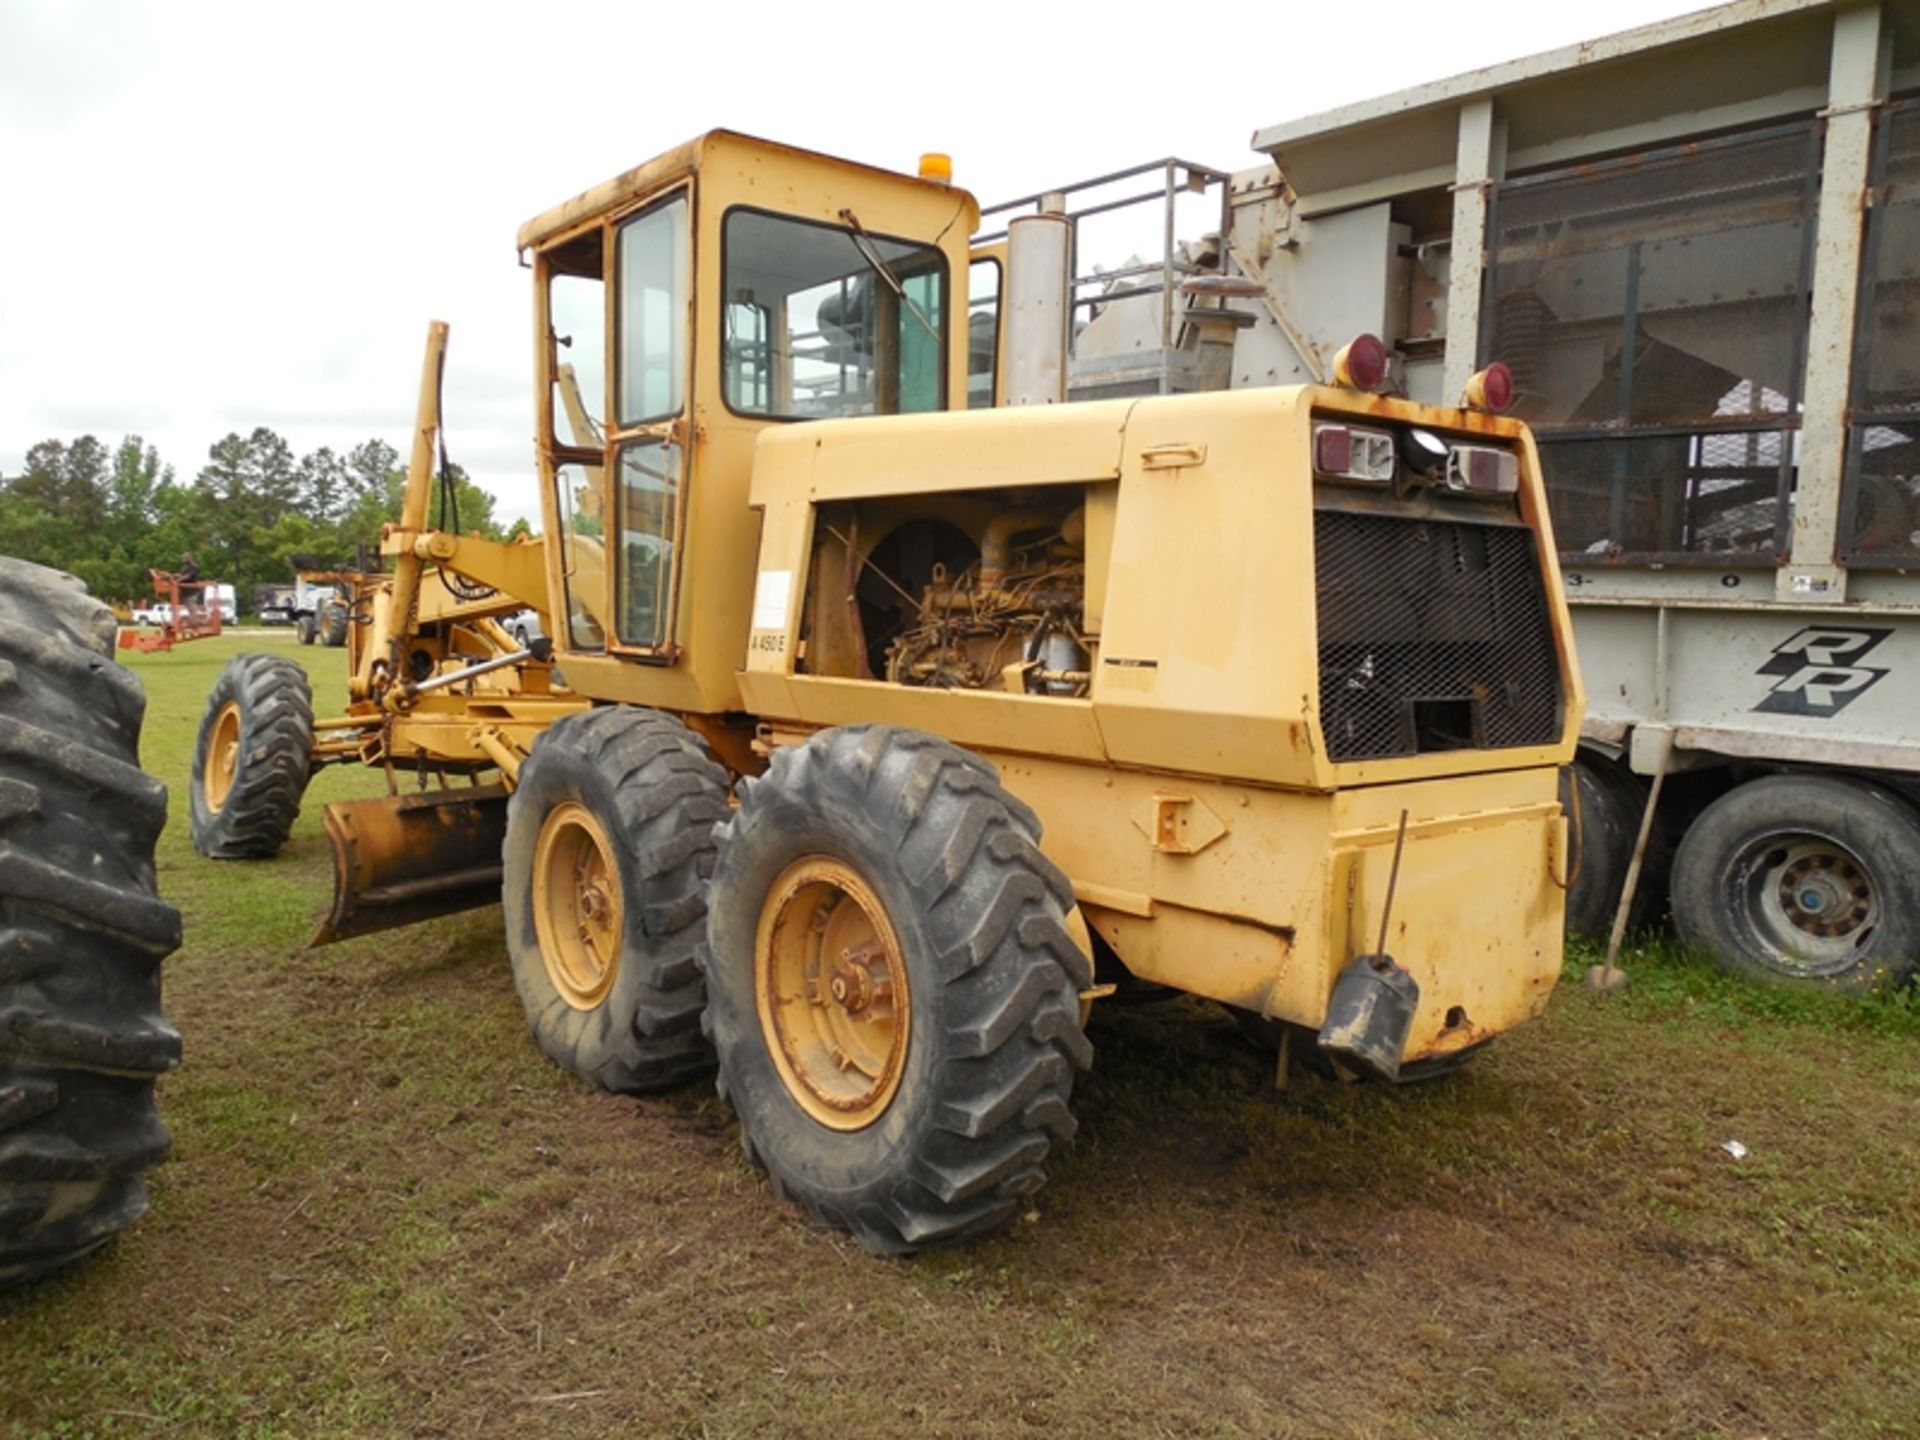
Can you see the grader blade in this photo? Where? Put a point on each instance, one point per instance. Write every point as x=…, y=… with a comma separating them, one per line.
x=407, y=858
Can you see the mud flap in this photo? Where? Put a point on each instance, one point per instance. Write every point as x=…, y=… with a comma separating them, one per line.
x=407, y=858
x=1370, y=1015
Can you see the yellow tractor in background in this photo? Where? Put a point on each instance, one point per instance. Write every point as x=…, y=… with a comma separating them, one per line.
x=873, y=740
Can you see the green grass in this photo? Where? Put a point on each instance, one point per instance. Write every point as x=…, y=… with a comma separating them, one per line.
x=387, y=1214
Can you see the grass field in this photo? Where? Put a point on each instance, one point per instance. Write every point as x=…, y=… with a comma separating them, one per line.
x=386, y=1214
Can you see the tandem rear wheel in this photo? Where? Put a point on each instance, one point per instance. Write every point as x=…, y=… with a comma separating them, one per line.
x=892, y=990
x=1805, y=880
x=608, y=849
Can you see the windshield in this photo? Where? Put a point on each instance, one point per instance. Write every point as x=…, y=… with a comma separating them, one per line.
x=825, y=320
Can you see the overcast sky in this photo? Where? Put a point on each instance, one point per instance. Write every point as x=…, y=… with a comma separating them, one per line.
x=214, y=217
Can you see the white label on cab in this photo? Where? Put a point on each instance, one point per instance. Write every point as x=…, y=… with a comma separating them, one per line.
x=772, y=594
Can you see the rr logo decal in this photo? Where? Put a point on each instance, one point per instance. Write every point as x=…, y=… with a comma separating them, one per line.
x=1820, y=670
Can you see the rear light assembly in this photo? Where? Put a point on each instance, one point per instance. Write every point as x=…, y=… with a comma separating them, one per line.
x=1483, y=470
x=1348, y=452
x=1361, y=364
x=1491, y=390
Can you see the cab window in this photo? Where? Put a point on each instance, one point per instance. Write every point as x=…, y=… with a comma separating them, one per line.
x=577, y=330
x=654, y=281
x=649, y=505
x=824, y=320
x=983, y=333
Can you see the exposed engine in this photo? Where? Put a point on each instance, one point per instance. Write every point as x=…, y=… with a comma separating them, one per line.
x=1012, y=620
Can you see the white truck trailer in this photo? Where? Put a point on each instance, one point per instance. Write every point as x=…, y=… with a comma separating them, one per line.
x=1697, y=246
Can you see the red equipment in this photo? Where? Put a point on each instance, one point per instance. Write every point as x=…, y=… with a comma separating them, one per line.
x=189, y=615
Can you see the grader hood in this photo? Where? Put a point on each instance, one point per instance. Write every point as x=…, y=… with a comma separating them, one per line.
x=406, y=858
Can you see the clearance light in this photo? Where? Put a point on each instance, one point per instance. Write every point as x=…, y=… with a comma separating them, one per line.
x=1361, y=364
x=1491, y=390
x=1483, y=470
x=936, y=167
x=1347, y=452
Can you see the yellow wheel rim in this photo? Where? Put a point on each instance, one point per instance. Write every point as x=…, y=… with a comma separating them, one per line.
x=576, y=905
x=223, y=756
x=831, y=989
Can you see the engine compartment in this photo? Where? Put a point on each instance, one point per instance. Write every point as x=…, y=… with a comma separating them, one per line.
x=982, y=591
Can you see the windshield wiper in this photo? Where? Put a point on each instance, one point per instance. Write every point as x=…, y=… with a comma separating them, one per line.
x=863, y=242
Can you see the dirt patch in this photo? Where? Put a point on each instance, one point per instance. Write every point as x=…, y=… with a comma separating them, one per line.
x=387, y=1214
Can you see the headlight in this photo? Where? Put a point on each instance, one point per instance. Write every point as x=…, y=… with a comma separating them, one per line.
x=1347, y=452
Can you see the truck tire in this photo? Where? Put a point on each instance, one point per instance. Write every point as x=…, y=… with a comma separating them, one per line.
x=910, y=1096
x=1807, y=880
x=608, y=852
x=304, y=629
x=332, y=623
x=1608, y=810
x=82, y=930
x=252, y=760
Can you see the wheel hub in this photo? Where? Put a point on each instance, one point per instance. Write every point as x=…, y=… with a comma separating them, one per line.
x=576, y=905
x=223, y=757
x=1811, y=900
x=830, y=985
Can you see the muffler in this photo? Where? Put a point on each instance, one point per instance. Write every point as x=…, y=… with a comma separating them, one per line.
x=406, y=858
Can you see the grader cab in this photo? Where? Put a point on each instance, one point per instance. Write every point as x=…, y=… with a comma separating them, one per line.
x=875, y=740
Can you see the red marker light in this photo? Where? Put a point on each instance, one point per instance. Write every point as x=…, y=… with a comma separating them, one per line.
x=1491, y=389
x=1361, y=364
x=1332, y=449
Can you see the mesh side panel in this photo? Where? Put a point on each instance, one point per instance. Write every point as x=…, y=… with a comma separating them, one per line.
x=1654, y=310
x=1883, y=467
x=1433, y=635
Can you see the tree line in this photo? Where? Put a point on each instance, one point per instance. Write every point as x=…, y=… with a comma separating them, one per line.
x=110, y=516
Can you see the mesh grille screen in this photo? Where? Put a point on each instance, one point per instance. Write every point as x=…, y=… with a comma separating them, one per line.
x=1433, y=636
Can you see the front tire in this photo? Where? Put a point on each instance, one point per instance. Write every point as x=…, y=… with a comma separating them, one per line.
x=608, y=851
x=1807, y=880
x=332, y=622
x=252, y=760
x=82, y=930
x=892, y=990
x=304, y=629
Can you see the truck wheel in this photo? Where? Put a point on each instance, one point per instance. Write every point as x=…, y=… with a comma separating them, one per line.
x=608, y=853
x=82, y=930
x=252, y=760
x=1609, y=809
x=891, y=987
x=1810, y=880
x=305, y=630
x=332, y=623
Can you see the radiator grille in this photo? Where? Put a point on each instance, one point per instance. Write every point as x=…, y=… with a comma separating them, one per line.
x=1433, y=636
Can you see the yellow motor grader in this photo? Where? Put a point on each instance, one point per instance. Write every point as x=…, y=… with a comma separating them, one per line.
x=874, y=739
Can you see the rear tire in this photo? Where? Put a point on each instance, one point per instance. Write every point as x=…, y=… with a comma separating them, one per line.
x=608, y=853
x=253, y=758
x=82, y=930
x=1805, y=880
x=947, y=1135
x=1609, y=811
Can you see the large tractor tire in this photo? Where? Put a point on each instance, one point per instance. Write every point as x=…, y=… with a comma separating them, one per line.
x=332, y=623
x=253, y=758
x=82, y=930
x=1804, y=880
x=305, y=629
x=892, y=989
x=607, y=857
